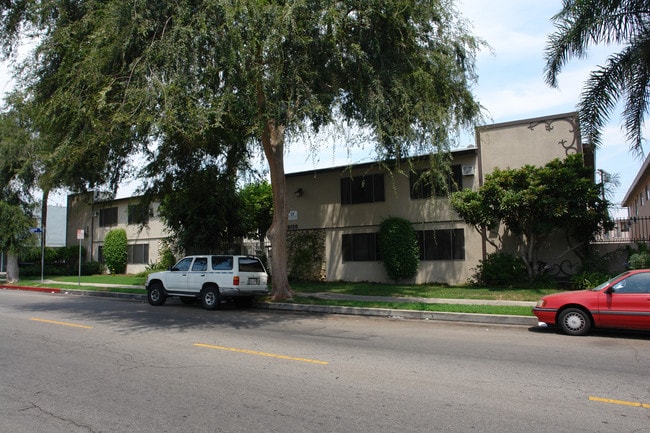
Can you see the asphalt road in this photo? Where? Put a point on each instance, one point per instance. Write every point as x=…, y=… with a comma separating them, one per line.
x=86, y=364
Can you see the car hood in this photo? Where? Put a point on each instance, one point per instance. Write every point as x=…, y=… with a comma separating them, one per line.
x=573, y=296
x=157, y=274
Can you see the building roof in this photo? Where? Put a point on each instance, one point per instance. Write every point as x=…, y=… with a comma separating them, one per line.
x=463, y=151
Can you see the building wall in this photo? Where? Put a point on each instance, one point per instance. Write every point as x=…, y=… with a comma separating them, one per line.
x=56, y=224
x=84, y=212
x=320, y=207
x=506, y=145
x=528, y=142
x=314, y=201
x=637, y=198
x=537, y=141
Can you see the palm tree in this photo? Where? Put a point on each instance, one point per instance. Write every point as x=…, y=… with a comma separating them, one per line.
x=626, y=74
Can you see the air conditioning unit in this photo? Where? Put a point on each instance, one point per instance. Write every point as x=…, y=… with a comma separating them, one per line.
x=468, y=170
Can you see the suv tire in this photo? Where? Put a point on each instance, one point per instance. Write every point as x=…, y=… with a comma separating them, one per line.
x=210, y=298
x=156, y=294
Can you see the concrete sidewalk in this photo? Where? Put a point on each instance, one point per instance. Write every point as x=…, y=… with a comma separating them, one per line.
x=332, y=309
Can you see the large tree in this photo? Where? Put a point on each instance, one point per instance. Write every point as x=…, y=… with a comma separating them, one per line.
x=535, y=202
x=170, y=78
x=626, y=74
x=18, y=175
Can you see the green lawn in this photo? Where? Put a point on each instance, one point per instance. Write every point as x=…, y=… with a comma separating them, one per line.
x=425, y=291
x=303, y=290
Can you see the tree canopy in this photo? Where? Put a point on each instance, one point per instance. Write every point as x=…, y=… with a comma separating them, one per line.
x=533, y=202
x=626, y=75
x=170, y=79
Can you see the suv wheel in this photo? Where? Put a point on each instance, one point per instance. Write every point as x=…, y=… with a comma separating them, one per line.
x=210, y=298
x=156, y=294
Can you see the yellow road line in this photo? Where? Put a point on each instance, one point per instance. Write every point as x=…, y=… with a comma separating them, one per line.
x=621, y=402
x=253, y=352
x=60, y=323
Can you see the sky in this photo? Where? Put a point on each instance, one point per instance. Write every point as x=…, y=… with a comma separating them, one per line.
x=510, y=86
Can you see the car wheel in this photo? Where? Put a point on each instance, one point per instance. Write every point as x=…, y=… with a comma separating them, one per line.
x=210, y=298
x=156, y=294
x=575, y=321
x=188, y=300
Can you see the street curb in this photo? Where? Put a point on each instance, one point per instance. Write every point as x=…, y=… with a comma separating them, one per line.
x=403, y=314
x=322, y=309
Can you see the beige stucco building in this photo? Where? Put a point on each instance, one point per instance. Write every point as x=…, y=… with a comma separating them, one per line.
x=348, y=203
x=91, y=216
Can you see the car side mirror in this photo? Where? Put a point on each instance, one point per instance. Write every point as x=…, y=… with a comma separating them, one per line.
x=171, y=268
x=610, y=290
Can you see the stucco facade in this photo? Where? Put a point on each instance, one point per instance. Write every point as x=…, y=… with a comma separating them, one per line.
x=96, y=216
x=347, y=204
x=318, y=200
x=637, y=198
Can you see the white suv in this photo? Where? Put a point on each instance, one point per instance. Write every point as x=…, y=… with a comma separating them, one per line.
x=211, y=279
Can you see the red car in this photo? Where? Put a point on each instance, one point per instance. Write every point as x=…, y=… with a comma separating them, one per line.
x=622, y=302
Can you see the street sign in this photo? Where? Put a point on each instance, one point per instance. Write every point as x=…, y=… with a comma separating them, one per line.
x=36, y=230
x=80, y=234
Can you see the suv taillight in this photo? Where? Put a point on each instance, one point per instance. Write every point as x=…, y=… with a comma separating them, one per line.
x=235, y=281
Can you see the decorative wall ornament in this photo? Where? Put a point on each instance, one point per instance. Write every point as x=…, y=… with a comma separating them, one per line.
x=569, y=148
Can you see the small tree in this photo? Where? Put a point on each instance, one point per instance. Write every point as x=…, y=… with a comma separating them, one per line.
x=532, y=202
x=115, y=251
x=399, y=248
x=257, y=209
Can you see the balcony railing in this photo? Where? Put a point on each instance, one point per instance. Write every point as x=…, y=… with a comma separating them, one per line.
x=632, y=229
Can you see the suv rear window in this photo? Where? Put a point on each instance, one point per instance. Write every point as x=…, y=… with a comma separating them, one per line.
x=221, y=263
x=248, y=264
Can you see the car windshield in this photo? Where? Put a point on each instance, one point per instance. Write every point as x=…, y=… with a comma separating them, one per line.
x=608, y=282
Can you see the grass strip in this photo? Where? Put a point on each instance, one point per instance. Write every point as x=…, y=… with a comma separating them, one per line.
x=419, y=306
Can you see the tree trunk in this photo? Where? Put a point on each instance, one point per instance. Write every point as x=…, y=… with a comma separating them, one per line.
x=273, y=143
x=12, y=268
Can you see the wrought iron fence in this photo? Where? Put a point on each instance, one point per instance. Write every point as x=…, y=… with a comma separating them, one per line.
x=632, y=229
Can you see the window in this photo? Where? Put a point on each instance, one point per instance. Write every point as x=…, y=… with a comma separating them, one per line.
x=362, y=189
x=360, y=247
x=138, y=254
x=221, y=263
x=250, y=264
x=138, y=214
x=100, y=254
x=108, y=217
x=183, y=265
x=200, y=264
x=446, y=244
x=423, y=186
x=637, y=283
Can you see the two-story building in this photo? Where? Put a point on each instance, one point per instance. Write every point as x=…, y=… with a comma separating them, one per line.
x=91, y=216
x=348, y=203
x=637, y=201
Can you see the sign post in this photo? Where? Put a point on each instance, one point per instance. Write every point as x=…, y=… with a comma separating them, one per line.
x=80, y=236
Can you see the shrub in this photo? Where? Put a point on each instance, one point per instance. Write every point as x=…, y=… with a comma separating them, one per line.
x=500, y=269
x=587, y=280
x=399, y=248
x=92, y=268
x=639, y=260
x=306, y=255
x=115, y=251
